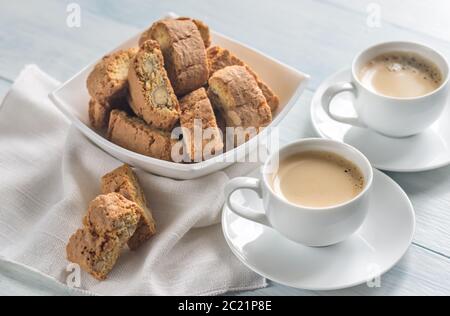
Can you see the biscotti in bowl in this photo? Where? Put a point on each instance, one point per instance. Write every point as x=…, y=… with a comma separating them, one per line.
x=176, y=79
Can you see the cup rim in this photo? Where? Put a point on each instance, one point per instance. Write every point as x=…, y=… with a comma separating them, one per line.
x=367, y=186
x=437, y=52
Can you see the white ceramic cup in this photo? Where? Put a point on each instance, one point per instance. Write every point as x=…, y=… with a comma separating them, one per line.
x=316, y=227
x=394, y=117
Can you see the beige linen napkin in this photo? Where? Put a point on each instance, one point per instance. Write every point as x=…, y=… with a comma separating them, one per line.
x=50, y=172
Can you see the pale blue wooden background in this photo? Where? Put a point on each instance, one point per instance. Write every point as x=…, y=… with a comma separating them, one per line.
x=317, y=37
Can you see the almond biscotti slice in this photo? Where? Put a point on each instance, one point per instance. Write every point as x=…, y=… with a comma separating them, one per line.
x=151, y=93
x=109, y=224
x=113, y=213
x=202, y=27
x=95, y=254
x=235, y=92
x=124, y=181
x=184, y=53
x=198, y=120
x=99, y=112
x=204, y=31
x=109, y=79
x=219, y=58
x=134, y=134
x=108, y=86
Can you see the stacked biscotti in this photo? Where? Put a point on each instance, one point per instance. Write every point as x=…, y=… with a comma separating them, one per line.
x=118, y=217
x=175, y=91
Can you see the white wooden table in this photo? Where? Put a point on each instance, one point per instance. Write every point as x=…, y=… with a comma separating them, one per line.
x=317, y=37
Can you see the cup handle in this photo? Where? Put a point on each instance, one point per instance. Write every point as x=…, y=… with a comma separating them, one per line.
x=333, y=91
x=245, y=212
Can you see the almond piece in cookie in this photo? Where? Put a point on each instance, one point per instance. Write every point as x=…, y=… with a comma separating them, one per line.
x=235, y=92
x=196, y=109
x=124, y=181
x=109, y=224
x=219, y=58
x=184, y=53
x=151, y=93
x=134, y=134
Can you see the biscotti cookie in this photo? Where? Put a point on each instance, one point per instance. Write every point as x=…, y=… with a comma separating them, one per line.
x=219, y=58
x=108, y=86
x=123, y=181
x=184, y=53
x=202, y=27
x=98, y=114
x=109, y=224
x=196, y=109
x=222, y=125
x=235, y=92
x=134, y=134
x=109, y=79
x=113, y=213
x=95, y=254
x=204, y=32
x=152, y=96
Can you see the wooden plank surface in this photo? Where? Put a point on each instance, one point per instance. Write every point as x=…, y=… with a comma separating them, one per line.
x=318, y=37
x=427, y=17
x=298, y=32
x=36, y=32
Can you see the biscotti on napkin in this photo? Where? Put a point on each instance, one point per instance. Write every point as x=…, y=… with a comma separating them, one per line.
x=123, y=181
x=110, y=222
x=118, y=217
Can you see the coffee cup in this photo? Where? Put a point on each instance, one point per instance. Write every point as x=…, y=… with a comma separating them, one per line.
x=399, y=89
x=303, y=221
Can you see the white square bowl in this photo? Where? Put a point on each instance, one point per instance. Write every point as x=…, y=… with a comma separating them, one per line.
x=72, y=99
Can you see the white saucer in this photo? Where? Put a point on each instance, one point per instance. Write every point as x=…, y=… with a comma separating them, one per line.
x=377, y=246
x=426, y=151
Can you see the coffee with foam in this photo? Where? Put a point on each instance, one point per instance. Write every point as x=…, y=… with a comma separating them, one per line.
x=401, y=75
x=317, y=179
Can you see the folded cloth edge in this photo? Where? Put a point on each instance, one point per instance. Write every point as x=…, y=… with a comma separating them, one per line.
x=16, y=267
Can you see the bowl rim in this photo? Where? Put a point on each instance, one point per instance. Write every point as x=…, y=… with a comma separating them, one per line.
x=225, y=157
